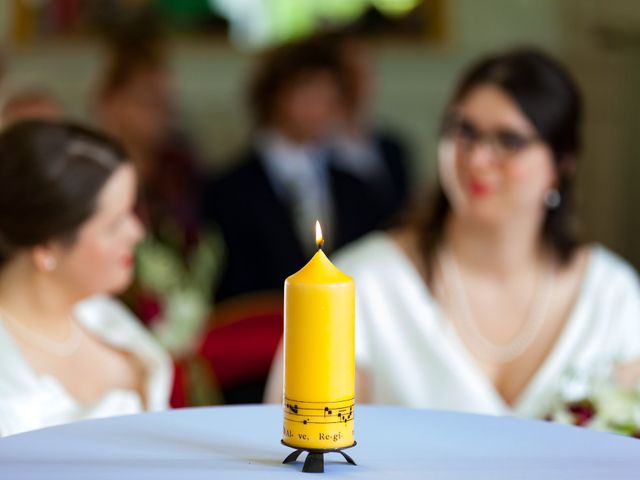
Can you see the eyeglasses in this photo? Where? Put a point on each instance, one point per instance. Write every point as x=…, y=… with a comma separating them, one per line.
x=504, y=143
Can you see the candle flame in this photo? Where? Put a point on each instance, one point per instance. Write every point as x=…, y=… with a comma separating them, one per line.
x=319, y=237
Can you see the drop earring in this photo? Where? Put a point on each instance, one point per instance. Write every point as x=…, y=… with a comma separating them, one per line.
x=552, y=198
x=49, y=263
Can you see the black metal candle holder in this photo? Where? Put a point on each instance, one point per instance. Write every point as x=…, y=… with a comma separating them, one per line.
x=314, y=463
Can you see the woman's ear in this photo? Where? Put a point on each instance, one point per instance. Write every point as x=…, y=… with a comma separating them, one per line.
x=44, y=258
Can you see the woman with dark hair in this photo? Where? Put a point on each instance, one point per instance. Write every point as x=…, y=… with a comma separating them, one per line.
x=488, y=301
x=67, y=233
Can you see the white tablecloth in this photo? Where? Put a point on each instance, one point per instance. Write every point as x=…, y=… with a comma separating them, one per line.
x=244, y=442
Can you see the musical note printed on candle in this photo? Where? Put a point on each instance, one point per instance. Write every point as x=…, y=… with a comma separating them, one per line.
x=322, y=413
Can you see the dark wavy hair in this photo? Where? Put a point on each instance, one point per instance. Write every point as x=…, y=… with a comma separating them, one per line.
x=50, y=176
x=546, y=94
x=286, y=65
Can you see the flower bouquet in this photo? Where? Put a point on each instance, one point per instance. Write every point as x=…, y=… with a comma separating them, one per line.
x=608, y=402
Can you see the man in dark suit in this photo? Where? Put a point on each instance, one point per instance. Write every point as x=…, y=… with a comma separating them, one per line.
x=292, y=174
x=264, y=246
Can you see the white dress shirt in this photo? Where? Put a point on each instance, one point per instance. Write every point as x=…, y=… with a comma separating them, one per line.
x=299, y=175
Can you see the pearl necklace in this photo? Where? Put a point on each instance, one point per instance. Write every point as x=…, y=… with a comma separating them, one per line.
x=503, y=353
x=65, y=348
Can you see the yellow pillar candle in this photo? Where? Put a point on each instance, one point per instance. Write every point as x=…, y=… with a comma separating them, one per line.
x=319, y=356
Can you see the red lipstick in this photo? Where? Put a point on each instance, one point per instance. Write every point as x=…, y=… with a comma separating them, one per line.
x=128, y=260
x=478, y=189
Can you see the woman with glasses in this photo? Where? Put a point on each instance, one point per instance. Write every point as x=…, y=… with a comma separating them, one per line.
x=487, y=301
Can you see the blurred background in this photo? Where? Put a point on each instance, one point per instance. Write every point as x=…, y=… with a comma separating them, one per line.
x=420, y=48
x=170, y=79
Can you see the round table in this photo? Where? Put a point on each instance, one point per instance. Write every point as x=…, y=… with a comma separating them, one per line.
x=244, y=442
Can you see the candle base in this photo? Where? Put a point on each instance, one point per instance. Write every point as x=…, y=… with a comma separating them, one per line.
x=314, y=463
